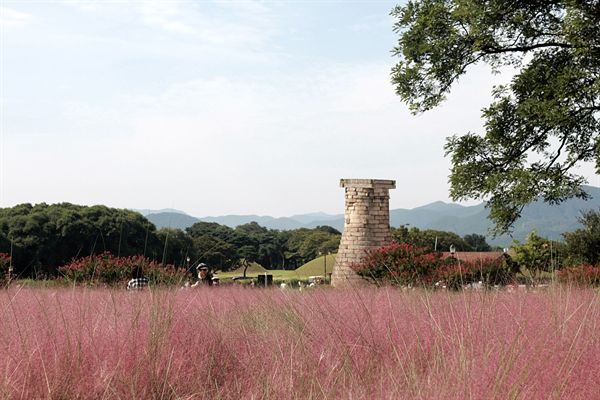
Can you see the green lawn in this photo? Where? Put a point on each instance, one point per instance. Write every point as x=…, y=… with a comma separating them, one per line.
x=278, y=274
x=311, y=268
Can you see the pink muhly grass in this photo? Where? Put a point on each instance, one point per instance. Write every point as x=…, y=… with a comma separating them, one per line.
x=232, y=343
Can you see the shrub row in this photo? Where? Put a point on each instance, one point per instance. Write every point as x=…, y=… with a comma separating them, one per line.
x=404, y=264
x=580, y=275
x=110, y=270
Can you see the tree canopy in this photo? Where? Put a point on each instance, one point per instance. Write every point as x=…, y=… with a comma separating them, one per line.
x=538, y=254
x=583, y=245
x=539, y=126
x=431, y=239
x=46, y=236
x=41, y=238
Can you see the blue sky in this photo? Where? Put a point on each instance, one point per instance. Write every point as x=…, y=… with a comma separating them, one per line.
x=215, y=107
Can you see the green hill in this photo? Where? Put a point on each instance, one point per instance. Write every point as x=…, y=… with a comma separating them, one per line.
x=254, y=268
x=316, y=266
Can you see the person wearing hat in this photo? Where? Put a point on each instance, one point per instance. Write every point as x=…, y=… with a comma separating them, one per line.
x=204, y=275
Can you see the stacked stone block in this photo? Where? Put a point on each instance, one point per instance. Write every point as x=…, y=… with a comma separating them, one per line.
x=366, y=225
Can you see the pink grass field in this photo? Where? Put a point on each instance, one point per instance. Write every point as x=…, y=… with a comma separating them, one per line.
x=237, y=343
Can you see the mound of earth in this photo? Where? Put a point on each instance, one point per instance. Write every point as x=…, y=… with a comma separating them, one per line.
x=316, y=266
x=253, y=268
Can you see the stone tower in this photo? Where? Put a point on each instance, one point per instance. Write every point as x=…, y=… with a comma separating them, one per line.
x=366, y=225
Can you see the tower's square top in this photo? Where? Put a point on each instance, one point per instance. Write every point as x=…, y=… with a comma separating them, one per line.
x=368, y=183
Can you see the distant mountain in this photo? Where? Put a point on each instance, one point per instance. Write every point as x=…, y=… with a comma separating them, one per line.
x=336, y=222
x=440, y=206
x=171, y=220
x=284, y=223
x=146, y=212
x=314, y=217
x=548, y=221
x=182, y=221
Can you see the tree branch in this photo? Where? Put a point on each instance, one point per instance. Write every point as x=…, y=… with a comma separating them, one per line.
x=562, y=145
x=498, y=50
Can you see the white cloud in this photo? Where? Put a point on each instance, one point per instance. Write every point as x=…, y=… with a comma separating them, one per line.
x=189, y=105
x=225, y=145
x=165, y=15
x=85, y=5
x=230, y=24
x=371, y=22
x=217, y=23
x=10, y=18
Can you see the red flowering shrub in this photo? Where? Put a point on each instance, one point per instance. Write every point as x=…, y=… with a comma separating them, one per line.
x=108, y=269
x=398, y=264
x=453, y=276
x=404, y=264
x=580, y=275
x=489, y=272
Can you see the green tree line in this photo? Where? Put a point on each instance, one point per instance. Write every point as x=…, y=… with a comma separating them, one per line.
x=43, y=237
x=432, y=239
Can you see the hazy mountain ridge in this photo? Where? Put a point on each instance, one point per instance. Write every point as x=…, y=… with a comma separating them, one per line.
x=282, y=223
x=171, y=220
x=548, y=221
x=145, y=211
